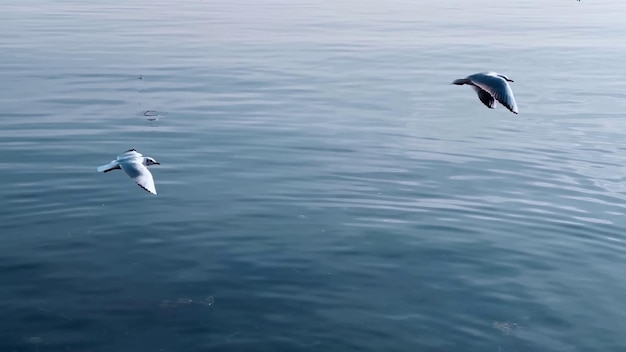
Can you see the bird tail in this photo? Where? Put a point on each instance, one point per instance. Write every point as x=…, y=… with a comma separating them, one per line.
x=109, y=167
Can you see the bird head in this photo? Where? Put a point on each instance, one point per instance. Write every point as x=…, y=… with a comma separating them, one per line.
x=150, y=161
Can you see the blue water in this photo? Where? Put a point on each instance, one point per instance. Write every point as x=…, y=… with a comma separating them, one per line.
x=322, y=186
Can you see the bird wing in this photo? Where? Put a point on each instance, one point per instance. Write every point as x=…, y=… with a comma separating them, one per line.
x=129, y=154
x=138, y=172
x=498, y=88
x=113, y=165
x=485, y=97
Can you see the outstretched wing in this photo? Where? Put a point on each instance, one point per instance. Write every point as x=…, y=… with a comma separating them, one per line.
x=131, y=153
x=113, y=165
x=139, y=173
x=485, y=97
x=498, y=88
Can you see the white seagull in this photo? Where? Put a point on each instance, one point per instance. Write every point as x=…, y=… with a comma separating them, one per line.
x=134, y=164
x=491, y=86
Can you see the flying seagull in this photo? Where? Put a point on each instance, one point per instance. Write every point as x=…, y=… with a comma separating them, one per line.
x=134, y=164
x=491, y=86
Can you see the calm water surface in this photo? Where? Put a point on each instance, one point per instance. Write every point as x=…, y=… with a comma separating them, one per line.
x=322, y=186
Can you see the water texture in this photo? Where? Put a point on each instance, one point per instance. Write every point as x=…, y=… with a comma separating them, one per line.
x=322, y=186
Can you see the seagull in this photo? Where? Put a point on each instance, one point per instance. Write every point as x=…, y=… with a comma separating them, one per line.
x=134, y=164
x=491, y=86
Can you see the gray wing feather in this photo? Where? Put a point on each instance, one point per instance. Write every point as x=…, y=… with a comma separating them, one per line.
x=129, y=154
x=113, y=165
x=485, y=97
x=138, y=172
x=497, y=88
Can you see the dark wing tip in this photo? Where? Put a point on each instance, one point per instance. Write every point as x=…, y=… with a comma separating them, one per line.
x=147, y=190
x=511, y=109
x=130, y=150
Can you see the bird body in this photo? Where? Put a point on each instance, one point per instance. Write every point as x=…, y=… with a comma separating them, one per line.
x=491, y=87
x=135, y=166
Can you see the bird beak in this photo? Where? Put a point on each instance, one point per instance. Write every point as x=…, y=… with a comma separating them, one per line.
x=158, y=163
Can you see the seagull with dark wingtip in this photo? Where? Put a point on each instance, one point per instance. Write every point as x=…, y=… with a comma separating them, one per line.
x=491, y=87
x=136, y=166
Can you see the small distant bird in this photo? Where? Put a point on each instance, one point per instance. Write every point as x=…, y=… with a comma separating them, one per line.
x=491, y=86
x=134, y=164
